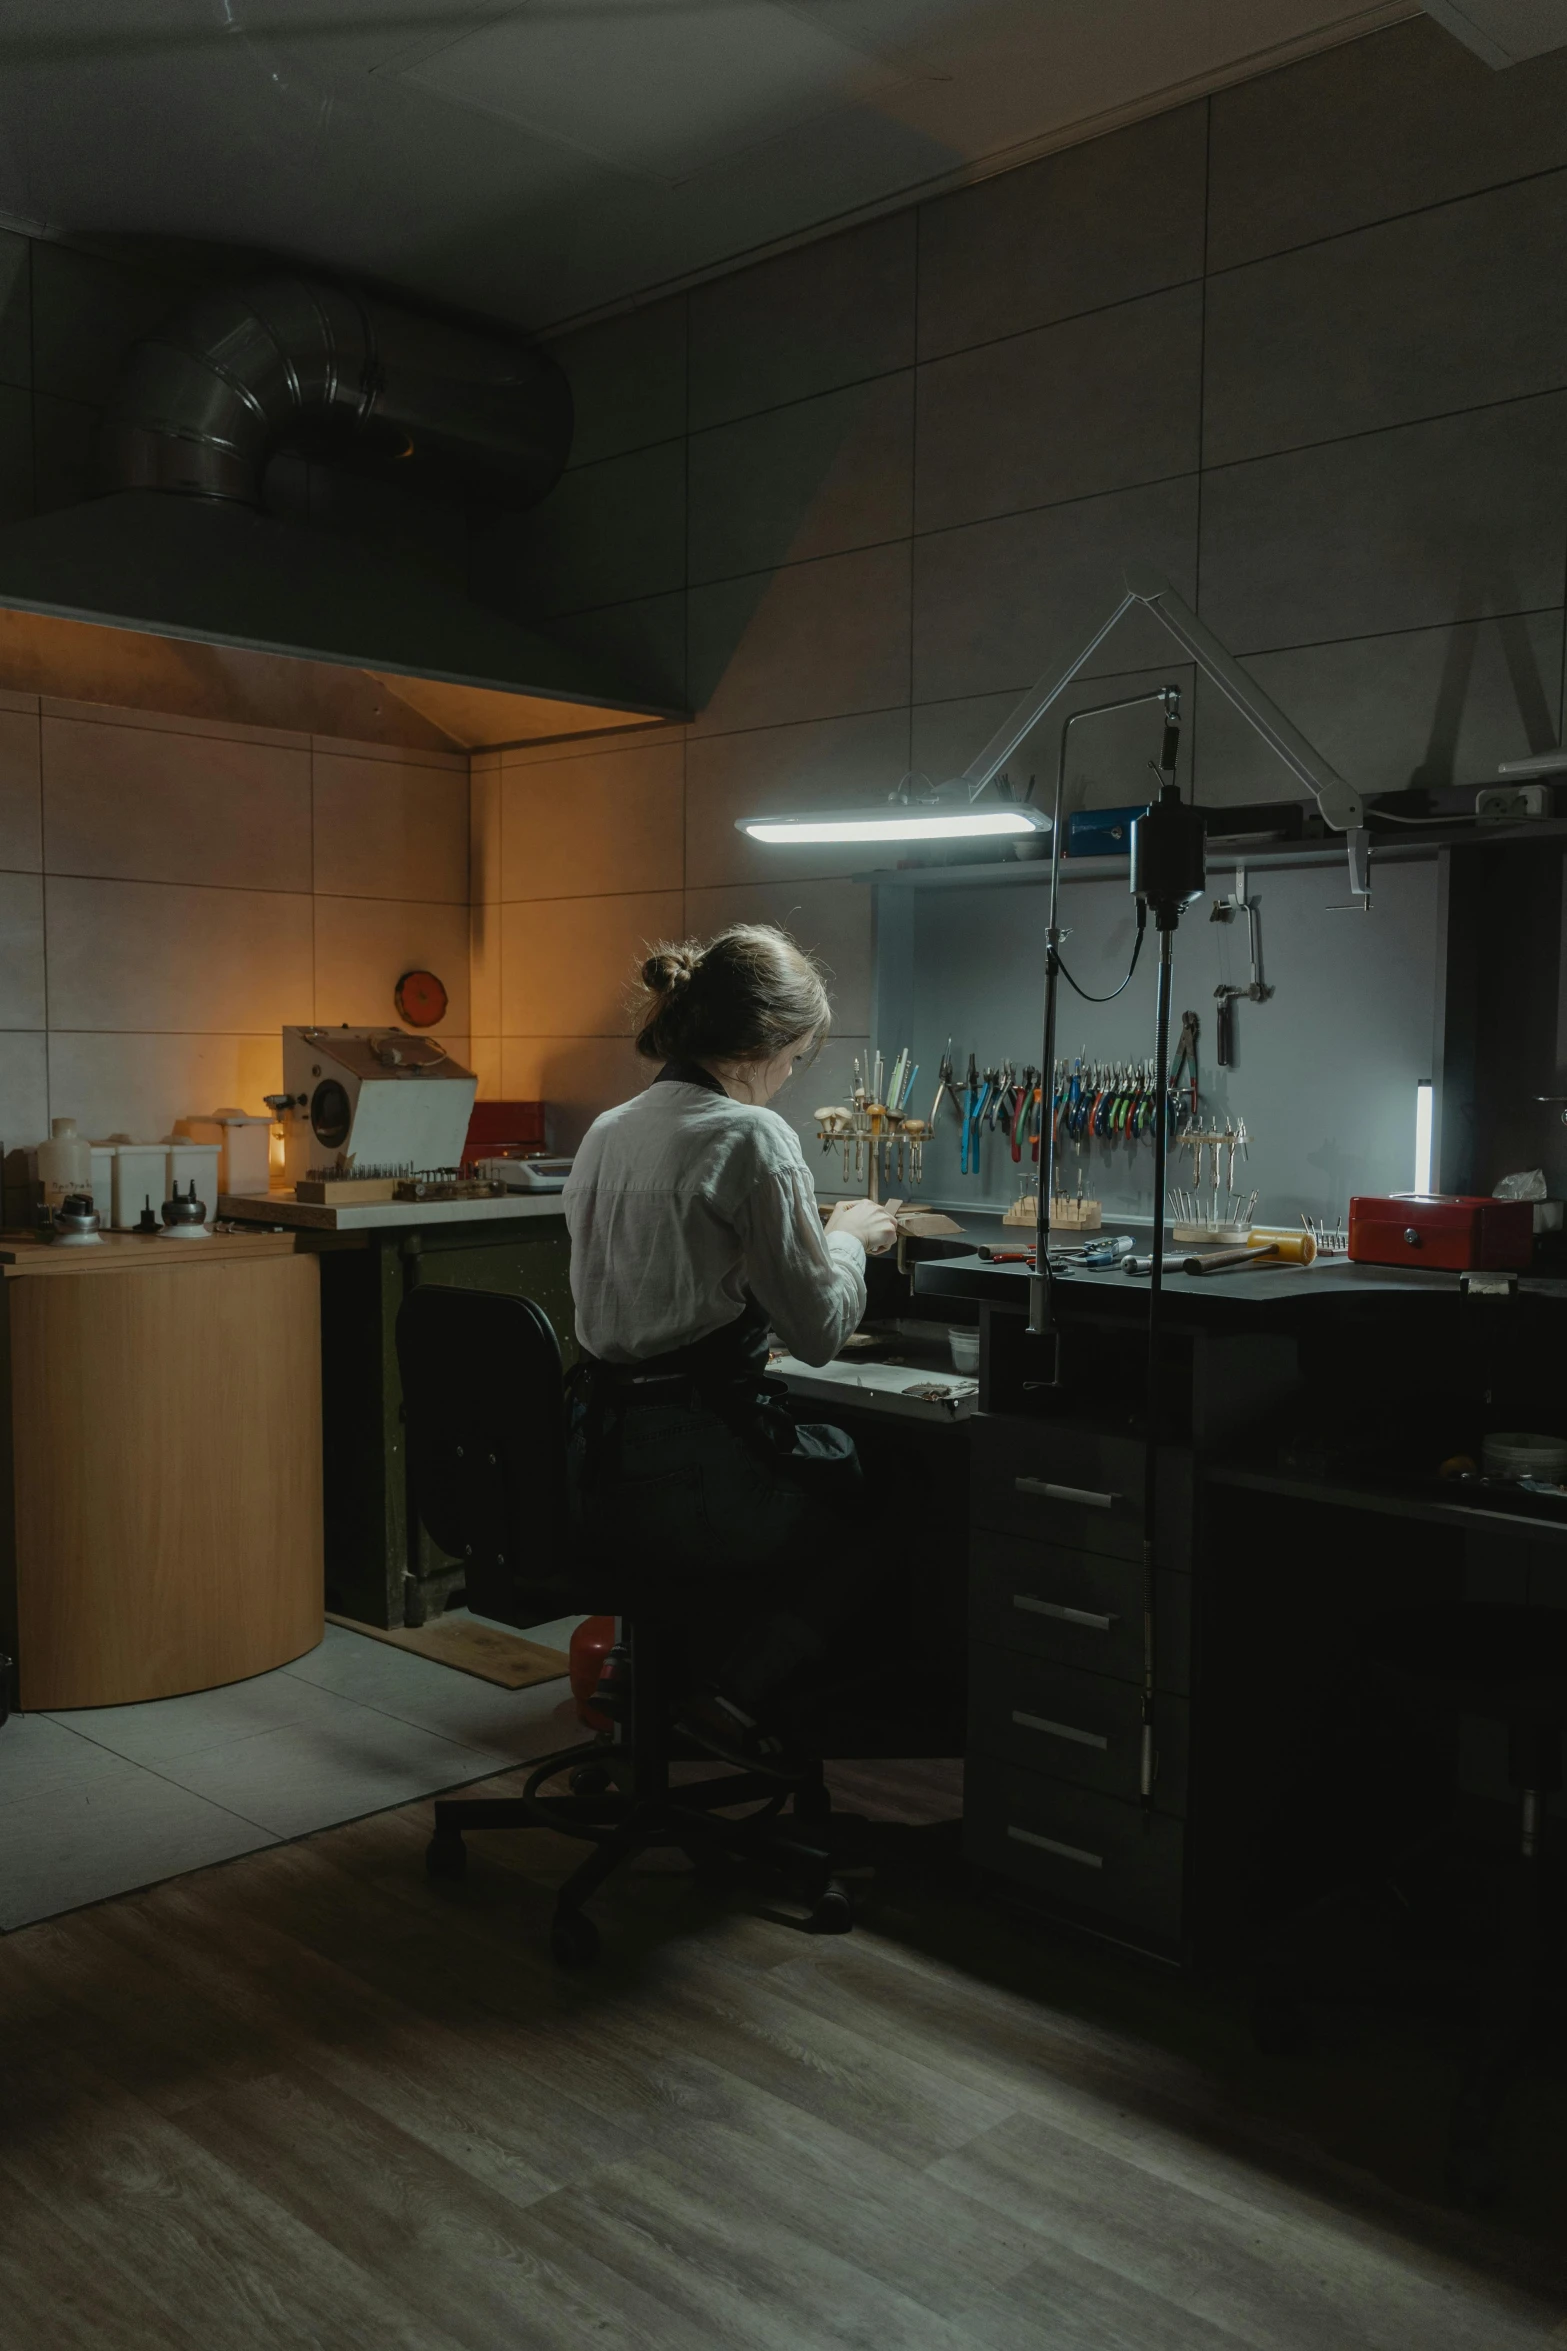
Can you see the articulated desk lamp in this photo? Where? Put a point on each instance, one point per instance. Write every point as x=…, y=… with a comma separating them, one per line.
x=1167, y=841
x=1167, y=875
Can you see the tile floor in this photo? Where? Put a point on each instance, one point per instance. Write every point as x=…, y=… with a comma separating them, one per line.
x=101, y=1799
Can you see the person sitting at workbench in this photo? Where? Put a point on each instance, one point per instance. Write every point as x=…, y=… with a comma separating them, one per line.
x=694, y=1228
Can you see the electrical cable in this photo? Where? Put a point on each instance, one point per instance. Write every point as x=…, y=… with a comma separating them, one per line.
x=1392, y=816
x=1142, y=925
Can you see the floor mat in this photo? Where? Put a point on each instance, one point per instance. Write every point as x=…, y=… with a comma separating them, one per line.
x=479, y=1649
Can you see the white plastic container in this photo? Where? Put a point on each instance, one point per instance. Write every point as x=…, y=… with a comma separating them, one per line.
x=141, y=1177
x=102, y=1157
x=244, y=1141
x=963, y=1347
x=64, y=1163
x=193, y=1163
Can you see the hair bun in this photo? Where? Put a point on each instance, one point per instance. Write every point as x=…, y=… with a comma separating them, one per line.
x=670, y=968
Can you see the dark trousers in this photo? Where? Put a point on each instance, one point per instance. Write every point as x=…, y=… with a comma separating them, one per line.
x=751, y=1528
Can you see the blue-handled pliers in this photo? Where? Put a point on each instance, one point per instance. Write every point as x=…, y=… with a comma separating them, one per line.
x=975, y=1097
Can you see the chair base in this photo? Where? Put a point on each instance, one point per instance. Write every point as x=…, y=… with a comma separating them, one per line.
x=621, y=1822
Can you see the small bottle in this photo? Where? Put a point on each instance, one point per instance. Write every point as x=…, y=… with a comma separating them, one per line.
x=64, y=1164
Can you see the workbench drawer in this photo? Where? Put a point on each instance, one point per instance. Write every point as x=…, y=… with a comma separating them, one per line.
x=1063, y=1484
x=1083, y=1849
x=1075, y=1726
x=1076, y=1608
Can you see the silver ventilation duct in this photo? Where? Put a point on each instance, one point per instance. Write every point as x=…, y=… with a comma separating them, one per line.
x=183, y=547
x=297, y=362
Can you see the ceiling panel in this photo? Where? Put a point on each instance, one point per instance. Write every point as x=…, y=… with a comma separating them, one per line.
x=535, y=163
x=661, y=90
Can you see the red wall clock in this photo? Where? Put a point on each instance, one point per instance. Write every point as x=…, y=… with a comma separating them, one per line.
x=421, y=999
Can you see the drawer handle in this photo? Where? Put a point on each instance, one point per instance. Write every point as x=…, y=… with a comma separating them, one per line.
x=1054, y=1845
x=1084, y=1496
x=1083, y=1616
x=1057, y=1730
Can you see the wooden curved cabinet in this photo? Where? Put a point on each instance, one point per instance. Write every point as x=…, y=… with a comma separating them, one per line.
x=160, y=1530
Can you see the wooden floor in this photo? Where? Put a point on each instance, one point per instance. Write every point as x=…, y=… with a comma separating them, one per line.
x=309, y=2099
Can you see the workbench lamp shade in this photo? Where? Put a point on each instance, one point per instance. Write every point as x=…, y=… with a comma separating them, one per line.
x=898, y=820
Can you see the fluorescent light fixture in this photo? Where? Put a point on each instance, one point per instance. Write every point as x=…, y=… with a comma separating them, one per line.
x=1424, y=1095
x=898, y=820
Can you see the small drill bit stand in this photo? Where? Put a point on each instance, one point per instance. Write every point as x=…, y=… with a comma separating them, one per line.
x=879, y=1146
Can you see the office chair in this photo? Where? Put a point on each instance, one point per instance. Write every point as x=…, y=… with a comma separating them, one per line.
x=485, y=1415
x=1505, y=1664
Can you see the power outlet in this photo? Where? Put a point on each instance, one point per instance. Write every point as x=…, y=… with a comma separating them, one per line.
x=1512, y=803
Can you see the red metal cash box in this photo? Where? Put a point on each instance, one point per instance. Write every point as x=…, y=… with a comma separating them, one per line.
x=1441, y=1231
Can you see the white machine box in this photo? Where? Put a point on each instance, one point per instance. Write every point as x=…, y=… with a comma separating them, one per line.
x=371, y=1101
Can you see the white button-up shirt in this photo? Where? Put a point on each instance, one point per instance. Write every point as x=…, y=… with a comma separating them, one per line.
x=683, y=1200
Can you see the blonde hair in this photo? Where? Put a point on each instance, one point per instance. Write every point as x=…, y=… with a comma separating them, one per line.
x=744, y=996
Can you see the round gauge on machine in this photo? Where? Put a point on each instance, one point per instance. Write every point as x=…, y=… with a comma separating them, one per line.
x=421, y=999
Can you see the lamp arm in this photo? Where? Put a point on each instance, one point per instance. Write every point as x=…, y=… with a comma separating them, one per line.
x=1339, y=801
x=1031, y=710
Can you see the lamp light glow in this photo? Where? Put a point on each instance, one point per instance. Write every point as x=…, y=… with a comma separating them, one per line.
x=1424, y=1097
x=897, y=821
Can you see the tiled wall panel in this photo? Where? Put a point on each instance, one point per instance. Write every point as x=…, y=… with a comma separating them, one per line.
x=1300, y=348
x=172, y=894
x=830, y=314
x=1420, y=316
x=819, y=477
x=1096, y=224
x=1000, y=603
x=1369, y=131
x=1406, y=529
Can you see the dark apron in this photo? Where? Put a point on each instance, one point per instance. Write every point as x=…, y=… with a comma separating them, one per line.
x=693, y=1461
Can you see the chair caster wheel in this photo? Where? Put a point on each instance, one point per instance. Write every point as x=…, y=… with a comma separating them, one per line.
x=1470, y=2177
x=446, y=1856
x=574, y=1939
x=590, y=1779
x=834, y=1913
x=1280, y=2027
x=812, y=1803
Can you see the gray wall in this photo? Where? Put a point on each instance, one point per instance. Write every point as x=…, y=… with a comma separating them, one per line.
x=1325, y=1071
x=1303, y=346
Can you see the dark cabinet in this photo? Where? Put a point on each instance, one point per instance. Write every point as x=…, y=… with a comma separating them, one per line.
x=1114, y=1864
x=1054, y=1804
x=380, y=1567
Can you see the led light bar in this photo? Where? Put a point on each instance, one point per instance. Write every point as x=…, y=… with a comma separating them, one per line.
x=1424, y=1101
x=897, y=821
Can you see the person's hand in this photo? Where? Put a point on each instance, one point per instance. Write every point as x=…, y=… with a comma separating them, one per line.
x=874, y=1227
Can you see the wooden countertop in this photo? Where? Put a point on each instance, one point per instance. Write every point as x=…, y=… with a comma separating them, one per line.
x=23, y=1253
x=364, y=1216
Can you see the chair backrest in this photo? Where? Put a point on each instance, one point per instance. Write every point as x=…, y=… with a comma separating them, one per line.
x=484, y=1411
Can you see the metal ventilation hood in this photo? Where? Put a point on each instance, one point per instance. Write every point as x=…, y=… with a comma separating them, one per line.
x=182, y=547
x=224, y=574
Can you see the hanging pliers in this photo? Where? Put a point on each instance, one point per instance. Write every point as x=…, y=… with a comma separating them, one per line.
x=1000, y=1085
x=973, y=1103
x=947, y=1085
x=1020, y=1108
x=1185, y=1059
